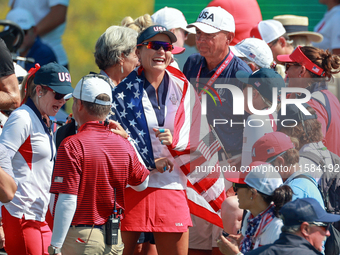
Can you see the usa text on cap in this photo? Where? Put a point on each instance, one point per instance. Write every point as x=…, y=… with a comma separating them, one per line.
x=154, y=30
x=213, y=20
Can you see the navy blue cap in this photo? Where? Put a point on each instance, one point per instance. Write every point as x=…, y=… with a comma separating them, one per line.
x=293, y=113
x=154, y=30
x=55, y=76
x=263, y=80
x=305, y=210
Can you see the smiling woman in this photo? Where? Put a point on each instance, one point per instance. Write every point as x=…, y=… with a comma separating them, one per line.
x=28, y=139
x=153, y=94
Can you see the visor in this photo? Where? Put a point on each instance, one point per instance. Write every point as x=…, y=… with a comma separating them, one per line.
x=298, y=57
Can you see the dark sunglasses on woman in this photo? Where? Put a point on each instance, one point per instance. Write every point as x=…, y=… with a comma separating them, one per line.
x=156, y=45
x=57, y=96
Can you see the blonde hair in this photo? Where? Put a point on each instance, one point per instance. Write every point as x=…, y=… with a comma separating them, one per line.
x=138, y=24
x=29, y=91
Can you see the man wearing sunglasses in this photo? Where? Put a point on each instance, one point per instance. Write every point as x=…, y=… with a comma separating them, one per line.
x=305, y=226
x=215, y=64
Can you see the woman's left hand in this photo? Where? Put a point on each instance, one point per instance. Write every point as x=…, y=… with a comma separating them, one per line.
x=164, y=135
x=228, y=246
x=163, y=164
x=116, y=128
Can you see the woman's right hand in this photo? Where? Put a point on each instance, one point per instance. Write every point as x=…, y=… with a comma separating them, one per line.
x=163, y=164
x=116, y=128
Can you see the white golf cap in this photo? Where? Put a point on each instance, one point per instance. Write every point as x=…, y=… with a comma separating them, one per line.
x=255, y=50
x=171, y=18
x=89, y=87
x=263, y=177
x=213, y=20
x=268, y=30
x=22, y=17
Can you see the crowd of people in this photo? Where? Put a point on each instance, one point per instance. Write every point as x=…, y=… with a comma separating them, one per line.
x=127, y=174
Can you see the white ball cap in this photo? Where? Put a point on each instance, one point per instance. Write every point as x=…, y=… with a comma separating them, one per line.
x=171, y=18
x=268, y=30
x=255, y=50
x=264, y=178
x=214, y=19
x=22, y=17
x=88, y=88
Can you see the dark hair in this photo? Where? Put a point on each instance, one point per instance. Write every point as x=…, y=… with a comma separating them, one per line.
x=312, y=133
x=281, y=196
x=324, y=59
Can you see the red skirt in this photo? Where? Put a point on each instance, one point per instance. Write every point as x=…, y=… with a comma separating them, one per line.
x=156, y=210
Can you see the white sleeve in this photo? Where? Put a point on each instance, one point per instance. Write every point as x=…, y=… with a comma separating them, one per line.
x=335, y=37
x=16, y=129
x=64, y=212
x=141, y=186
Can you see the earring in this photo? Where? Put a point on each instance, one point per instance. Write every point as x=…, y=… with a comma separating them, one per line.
x=251, y=198
x=39, y=96
x=121, y=69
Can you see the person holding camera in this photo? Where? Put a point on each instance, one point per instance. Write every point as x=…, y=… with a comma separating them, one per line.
x=92, y=169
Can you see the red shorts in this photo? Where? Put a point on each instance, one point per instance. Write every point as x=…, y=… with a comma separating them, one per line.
x=156, y=210
x=25, y=237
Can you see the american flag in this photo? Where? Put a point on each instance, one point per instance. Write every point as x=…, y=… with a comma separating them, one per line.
x=194, y=145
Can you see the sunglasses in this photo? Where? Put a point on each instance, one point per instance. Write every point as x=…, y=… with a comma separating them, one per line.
x=156, y=45
x=287, y=65
x=236, y=186
x=57, y=96
x=325, y=226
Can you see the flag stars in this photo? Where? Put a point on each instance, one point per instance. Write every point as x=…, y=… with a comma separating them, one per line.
x=129, y=85
x=145, y=150
x=138, y=80
x=123, y=114
x=130, y=105
x=139, y=114
x=121, y=95
x=114, y=105
x=132, y=122
x=137, y=94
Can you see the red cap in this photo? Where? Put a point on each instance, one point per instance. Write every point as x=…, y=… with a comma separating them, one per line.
x=240, y=177
x=177, y=50
x=270, y=145
x=297, y=56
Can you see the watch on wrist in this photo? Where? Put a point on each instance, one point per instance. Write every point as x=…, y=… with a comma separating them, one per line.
x=53, y=250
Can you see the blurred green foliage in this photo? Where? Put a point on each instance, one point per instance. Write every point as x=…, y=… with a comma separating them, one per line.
x=86, y=21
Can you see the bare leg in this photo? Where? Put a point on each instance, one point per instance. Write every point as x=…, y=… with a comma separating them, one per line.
x=172, y=243
x=130, y=239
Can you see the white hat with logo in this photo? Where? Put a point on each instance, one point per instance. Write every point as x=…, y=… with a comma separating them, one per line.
x=255, y=50
x=171, y=18
x=214, y=19
x=268, y=30
x=22, y=17
x=89, y=87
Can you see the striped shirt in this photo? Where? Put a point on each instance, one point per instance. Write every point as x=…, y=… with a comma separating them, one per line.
x=90, y=165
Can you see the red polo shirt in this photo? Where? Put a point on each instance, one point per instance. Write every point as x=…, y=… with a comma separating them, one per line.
x=90, y=165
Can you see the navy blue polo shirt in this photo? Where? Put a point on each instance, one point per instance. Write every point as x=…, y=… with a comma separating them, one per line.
x=231, y=137
x=41, y=52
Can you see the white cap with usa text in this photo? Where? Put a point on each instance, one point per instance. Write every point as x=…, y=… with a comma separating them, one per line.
x=214, y=19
